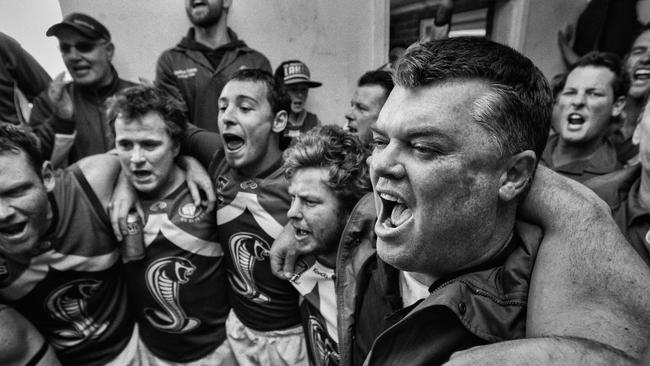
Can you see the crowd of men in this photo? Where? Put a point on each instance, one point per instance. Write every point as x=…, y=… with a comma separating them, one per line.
x=210, y=219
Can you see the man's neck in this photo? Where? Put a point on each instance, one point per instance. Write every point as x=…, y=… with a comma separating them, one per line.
x=268, y=160
x=633, y=108
x=176, y=178
x=566, y=153
x=213, y=36
x=644, y=189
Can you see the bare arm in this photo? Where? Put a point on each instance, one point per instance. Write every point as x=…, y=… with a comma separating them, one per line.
x=587, y=281
x=21, y=343
x=101, y=172
x=555, y=351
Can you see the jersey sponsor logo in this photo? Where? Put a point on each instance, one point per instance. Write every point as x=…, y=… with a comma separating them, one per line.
x=248, y=185
x=164, y=278
x=222, y=182
x=323, y=349
x=69, y=303
x=158, y=206
x=246, y=250
x=185, y=73
x=190, y=213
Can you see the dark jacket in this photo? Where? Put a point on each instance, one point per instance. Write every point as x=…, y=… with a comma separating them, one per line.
x=186, y=73
x=18, y=69
x=483, y=306
x=620, y=191
x=89, y=120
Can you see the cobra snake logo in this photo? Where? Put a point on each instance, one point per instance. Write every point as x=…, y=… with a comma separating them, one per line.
x=69, y=303
x=164, y=277
x=324, y=350
x=246, y=249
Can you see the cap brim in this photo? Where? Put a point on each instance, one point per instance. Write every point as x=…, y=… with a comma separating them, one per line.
x=56, y=28
x=310, y=83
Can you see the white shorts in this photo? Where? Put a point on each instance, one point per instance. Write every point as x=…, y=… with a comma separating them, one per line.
x=221, y=356
x=271, y=348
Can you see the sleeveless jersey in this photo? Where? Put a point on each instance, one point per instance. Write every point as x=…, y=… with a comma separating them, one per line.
x=179, y=291
x=315, y=282
x=74, y=292
x=251, y=214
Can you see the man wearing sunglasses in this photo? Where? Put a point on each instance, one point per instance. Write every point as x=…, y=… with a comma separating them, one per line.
x=69, y=119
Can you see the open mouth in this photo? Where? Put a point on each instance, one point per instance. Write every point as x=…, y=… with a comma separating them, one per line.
x=395, y=211
x=13, y=229
x=575, y=120
x=641, y=74
x=141, y=174
x=198, y=3
x=301, y=233
x=233, y=142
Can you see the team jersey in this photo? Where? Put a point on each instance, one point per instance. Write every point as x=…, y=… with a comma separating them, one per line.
x=179, y=291
x=251, y=214
x=74, y=290
x=315, y=282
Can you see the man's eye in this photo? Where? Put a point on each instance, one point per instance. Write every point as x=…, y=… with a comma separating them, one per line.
x=379, y=143
x=124, y=145
x=425, y=150
x=150, y=145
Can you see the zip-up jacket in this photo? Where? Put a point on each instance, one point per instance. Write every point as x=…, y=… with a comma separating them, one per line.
x=186, y=73
x=483, y=305
x=89, y=120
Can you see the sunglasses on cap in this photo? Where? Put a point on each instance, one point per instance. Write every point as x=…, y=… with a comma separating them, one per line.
x=82, y=47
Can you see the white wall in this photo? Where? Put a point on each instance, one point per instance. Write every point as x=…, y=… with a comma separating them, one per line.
x=27, y=21
x=338, y=39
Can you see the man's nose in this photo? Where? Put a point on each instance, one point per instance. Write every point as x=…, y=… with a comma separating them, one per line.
x=294, y=212
x=385, y=162
x=6, y=211
x=137, y=155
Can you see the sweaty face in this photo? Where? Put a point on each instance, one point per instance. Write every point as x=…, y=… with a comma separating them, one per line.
x=435, y=174
x=586, y=104
x=204, y=13
x=246, y=126
x=146, y=153
x=364, y=109
x=91, y=67
x=25, y=212
x=298, y=94
x=316, y=214
x=637, y=64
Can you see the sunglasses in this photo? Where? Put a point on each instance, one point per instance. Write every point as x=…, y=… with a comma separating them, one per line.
x=82, y=47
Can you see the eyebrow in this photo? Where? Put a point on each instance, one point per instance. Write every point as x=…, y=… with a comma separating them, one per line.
x=240, y=98
x=421, y=131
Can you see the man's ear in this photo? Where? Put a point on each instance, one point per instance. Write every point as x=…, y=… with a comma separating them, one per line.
x=280, y=121
x=519, y=171
x=110, y=49
x=619, y=106
x=47, y=174
x=636, y=136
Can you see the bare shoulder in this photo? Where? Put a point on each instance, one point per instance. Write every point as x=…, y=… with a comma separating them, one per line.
x=101, y=172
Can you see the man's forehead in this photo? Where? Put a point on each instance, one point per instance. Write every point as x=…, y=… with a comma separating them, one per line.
x=583, y=74
x=16, y=160
x=255, y=90
x=643, y=39
x=370, y=93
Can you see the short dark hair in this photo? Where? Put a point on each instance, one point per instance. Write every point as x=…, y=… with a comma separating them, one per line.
x=137, y=101
x=621, y=82
x=378, y=77
x=14, y=139
x=517, y=110
x=276, y=93
x=339, y=151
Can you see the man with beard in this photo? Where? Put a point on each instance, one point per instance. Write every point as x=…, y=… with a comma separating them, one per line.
x=328, y=174
x=71, y=117
x=198, y=67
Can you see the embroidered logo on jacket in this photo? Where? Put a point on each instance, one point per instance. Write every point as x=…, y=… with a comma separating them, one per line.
x=185, y=73
x=164, y=278
x=69, y=303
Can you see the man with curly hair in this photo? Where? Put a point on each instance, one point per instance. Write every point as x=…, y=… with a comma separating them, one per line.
x=328, y=175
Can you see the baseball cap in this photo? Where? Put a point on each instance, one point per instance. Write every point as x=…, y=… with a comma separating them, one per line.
x=82, y=23
x=296, y=72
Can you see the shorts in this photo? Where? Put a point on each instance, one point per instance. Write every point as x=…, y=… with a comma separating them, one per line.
x=266, y=348
x=221, y=356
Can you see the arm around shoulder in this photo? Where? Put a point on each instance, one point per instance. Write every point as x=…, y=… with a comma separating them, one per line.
x=101, y=172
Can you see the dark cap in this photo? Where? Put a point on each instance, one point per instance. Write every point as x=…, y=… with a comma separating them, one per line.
x=295, y=72
x=85, y=24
